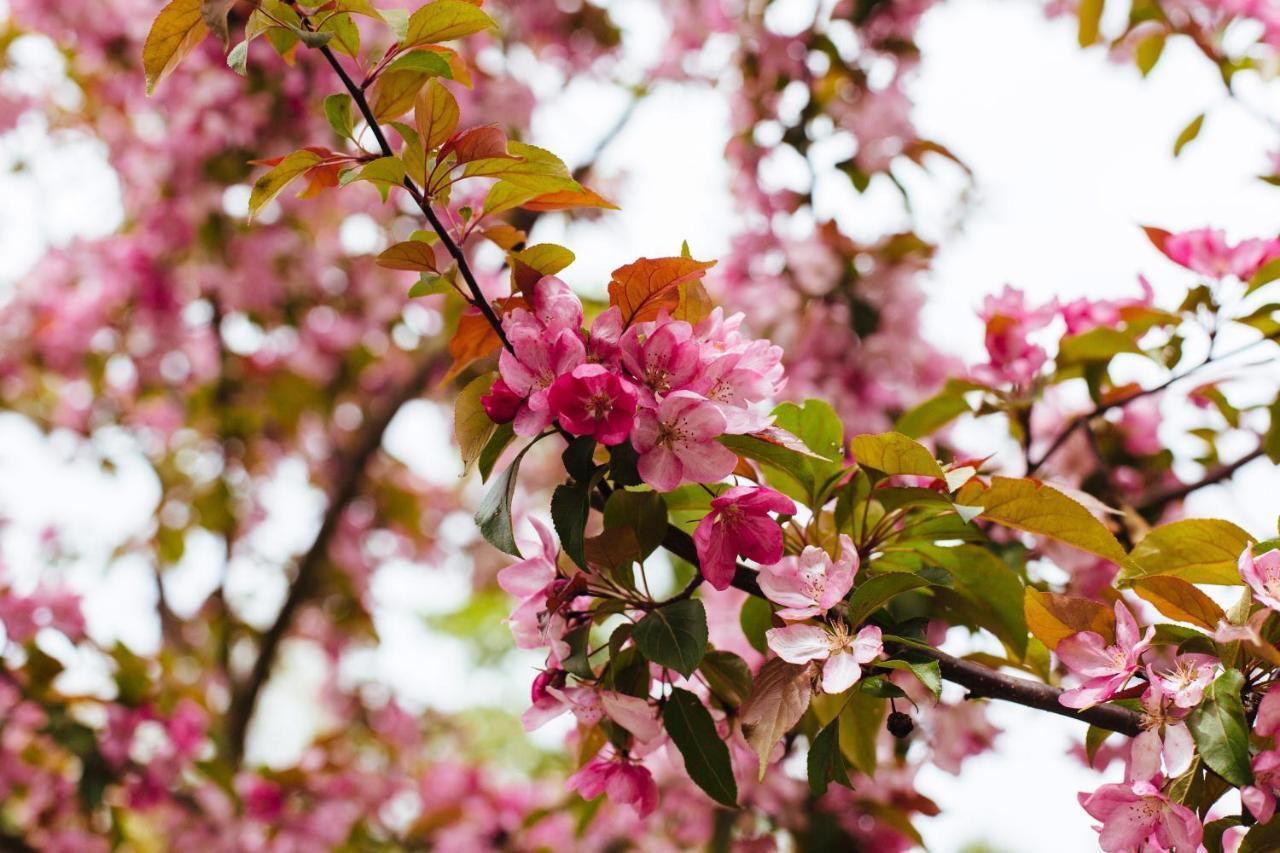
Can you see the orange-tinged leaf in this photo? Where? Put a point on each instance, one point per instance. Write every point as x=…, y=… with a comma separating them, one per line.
x=505, y=236
x=1052, y=618
x=411, y=255
x=643, y=288
x=475, y=338
x=284, y=172
x=436, y=114
x=177, y=30
x=324, y=176
x=569, y=199
x=529, y=266
x=1179, y=600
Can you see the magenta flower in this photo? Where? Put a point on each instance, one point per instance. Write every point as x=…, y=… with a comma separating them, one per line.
x=501, y=404
x=623, y=781
x=811, y=583
x=677, y=442
x=1106, y=668
x=1262, y=574
x=1206, y=251
x=739, y=525
x=1141, y=818
x=1014, y=359
x=537, y=358
x=594, y=401
x=843, y=652
x=666, y=360
x=1260, y=797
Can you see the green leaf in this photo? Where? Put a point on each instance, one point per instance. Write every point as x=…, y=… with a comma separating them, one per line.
x=727, y=675
x=445, y=20
x=860, y=725
x=177, y=30
x=706, y=757
x=826, y=761
x=238, y=58
x=281, y=175
x=643, y=512
x=424, y=62
x=993, y=590
x=502, y=437
x=1197, y=550
x=873, y=593
x=1219, y=729
x=570, y=506
x=928, y=673
x=894, y=453
x=1190, y=132
x=804, y=476
x=494, y=514
x=472, y=428
x=1093, y=740
x=756, y=618
x=674, y=636
x=337, y=109
x=1096, y=345
x=1267, y=273
x=346, y=35
x=1034, y=507
x=933, y=414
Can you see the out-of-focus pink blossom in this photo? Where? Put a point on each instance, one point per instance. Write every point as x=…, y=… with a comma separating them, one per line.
x=621, y=780
x=1014, y=359
x=1206, y=251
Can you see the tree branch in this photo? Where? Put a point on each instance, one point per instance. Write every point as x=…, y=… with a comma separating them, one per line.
x=347, y=480
x=1159, y=499
x=982, y=682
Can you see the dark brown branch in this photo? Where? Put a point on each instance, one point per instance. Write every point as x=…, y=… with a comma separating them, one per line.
x=346, y=487
x=1159, y=499
x=982, y=682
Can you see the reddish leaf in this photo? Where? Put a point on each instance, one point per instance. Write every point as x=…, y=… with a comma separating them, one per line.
x=642, y=289
x=1157, y=236
x=568, y=199
x=475, y=337
x=475, y=143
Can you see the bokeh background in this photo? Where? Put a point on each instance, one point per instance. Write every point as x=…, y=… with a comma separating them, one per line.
x=1070, y=152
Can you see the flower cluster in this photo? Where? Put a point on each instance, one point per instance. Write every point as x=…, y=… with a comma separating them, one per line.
x=669, y=387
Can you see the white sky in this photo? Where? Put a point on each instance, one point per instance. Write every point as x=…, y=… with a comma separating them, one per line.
x=1071, y=153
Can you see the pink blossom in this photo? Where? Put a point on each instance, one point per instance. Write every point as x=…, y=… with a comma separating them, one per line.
x=186, y=727
x=1262, y=574
x=621, y=780
x=501, y=404
x=1106, y=668
x=1267, y=722
x=1190, y=675
x=1140, y=424
x=1260, y=797
x=739, y=525
x=1013, y=358
x=677, y=442
x=665, y=360
x=843, y=652
x=1084, y=315
x=536, y=359
x=1206, y=251
x=590, y=706
x=594, y=401
x=811, y=583
x=532, y=575
x=1164, y=737
x=1136, y=816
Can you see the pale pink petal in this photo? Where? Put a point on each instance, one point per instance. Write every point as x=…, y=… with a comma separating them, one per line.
x=1261, y=804
x=1086, y=653
x=1267, y=722
x=1144, y=756
x=1179, y=749
x=707, y=462
x=868, y=645
x=1127, y=828
x=632, y=713
x=527, y=577
x=840, y=672
x=660, y=468
x=644, y=434
x=799, y=643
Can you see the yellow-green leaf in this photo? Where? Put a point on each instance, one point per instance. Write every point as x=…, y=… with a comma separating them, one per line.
x=1035, y=507
x=436, y=114
x=1190, y=132
x=177, y=30
x=273, y=183
x=395, y=92
x=1090, y=15
x=445, y=20
x=1197, y=550
x=472, y=428
x=412, y=255
x=895, y=453
x=1052, y=618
